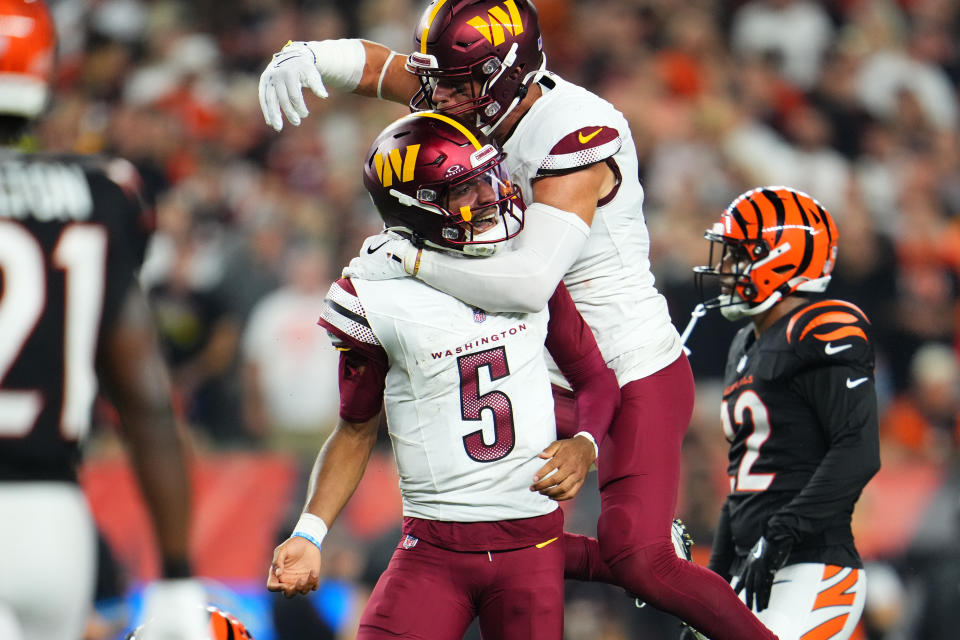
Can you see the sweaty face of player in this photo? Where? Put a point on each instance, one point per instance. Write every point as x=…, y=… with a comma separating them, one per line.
x=480, y=195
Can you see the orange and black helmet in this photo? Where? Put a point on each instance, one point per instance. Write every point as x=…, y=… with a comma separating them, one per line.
x=28, y=45
x=773, y=241
x=223, y=626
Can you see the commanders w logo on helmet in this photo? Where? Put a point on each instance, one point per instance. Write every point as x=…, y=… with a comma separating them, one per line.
x=453, y=191
x=499, y=23
x=773, y=241
x=391, y=164
x=493, y=47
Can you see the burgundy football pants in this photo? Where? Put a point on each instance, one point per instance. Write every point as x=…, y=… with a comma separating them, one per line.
x=639, y=474
x=429, y=593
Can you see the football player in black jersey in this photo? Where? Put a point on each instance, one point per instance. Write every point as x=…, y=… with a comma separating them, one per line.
x=72, y=231
x=800, y=412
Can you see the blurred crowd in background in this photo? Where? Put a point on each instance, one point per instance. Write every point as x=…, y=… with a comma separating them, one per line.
x=853, y=101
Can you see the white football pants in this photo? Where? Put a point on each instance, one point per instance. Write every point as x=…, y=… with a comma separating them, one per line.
x=47, y=561
x=822, y=600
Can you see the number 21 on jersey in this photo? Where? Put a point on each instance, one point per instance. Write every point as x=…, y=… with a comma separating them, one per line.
x=80, y=253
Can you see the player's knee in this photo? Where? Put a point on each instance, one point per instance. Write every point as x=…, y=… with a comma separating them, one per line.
x=650, y=572
x=614, y=530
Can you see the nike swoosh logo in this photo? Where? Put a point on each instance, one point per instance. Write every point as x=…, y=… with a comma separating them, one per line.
x=543, y=544
x=855, y=383
x=585, y=139
x=376, y=248
x=830, y=349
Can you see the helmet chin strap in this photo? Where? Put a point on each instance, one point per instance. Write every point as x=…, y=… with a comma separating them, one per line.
x=531, y=77
x=490, y=241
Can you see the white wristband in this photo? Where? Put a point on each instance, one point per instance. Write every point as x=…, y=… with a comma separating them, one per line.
x=383, y=73
x=593, y=441
x=340, y=62
x=311, y=527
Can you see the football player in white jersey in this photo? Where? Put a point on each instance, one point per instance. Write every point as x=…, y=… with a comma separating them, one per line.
x=573, y=155
x=468, y=403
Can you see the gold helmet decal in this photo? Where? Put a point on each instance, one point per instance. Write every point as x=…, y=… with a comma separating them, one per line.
x=391, y=164
x=453, y=123
x=500, y=20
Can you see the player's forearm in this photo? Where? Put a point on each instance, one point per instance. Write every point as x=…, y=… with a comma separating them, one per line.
x=829, y=495
x=573, y=347
x=395, y=83
x=520, y=280
x=722, y=553
x=339, y=467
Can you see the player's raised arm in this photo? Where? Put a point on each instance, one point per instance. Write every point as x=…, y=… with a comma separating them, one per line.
x=353, y=65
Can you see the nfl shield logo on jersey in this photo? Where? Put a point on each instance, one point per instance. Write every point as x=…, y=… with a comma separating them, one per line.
x=409, y=542
x=479, y=315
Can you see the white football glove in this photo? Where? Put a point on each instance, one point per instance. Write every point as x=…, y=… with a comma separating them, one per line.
x=383, y=257
x=292, y=67
x=175, y=610
x=339, y=63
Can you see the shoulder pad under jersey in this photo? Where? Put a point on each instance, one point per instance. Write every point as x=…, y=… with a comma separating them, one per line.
x=345, y=318
x=831, y=331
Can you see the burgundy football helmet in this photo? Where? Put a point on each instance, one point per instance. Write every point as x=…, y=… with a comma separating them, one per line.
x=495, y=43
x=433, y=178
x=27, y=50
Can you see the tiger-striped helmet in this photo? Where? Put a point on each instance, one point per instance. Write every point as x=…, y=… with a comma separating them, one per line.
x=27, y=50
x=223, y=626
x=773, y=241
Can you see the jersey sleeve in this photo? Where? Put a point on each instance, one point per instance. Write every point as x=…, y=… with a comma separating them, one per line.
x=573, y=347
x=581, y=147
x=844, y=400
x=363, y=361
x=723, y=552
x=131, y=199
x=831, y=332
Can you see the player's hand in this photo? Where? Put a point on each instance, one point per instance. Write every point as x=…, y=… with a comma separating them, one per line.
x=295, y=567
x=382, y=258
x=281, y=83
x=175, y=610
x=689, y=633
x=756, y=576
x=568, y=463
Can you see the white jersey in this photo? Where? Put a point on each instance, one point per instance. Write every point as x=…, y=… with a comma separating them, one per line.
x=468, y=400
x=611, y=281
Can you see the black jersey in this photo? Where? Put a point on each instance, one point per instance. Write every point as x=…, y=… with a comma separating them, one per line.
x=72, y=233
x=800, y=412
